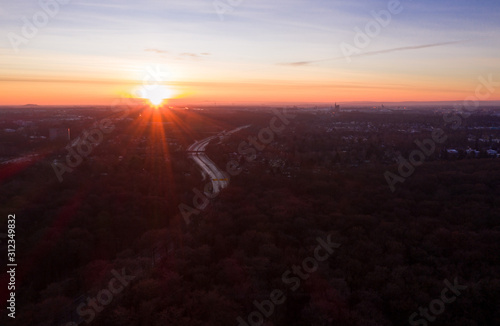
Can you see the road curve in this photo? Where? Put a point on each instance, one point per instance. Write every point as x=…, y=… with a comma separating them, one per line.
x=196, y=152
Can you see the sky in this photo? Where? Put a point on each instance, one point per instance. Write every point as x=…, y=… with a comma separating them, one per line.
x=81, y=52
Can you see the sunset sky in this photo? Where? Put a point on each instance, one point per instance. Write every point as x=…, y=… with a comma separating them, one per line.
x=92, y=52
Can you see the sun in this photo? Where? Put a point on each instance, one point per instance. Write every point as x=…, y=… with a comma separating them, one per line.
x=157, y=94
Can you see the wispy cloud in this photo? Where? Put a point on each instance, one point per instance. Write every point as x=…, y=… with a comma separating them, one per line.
x=262, y=84
x=156, y=51
x=181, y=55
x=193, y=55
x=404, y=48
x=301, y=63
x=371, y=53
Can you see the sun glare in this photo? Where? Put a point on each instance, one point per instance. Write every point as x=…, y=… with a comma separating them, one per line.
x=157, y=94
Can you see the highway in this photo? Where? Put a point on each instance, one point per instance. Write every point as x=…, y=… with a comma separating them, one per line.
x=218, y=177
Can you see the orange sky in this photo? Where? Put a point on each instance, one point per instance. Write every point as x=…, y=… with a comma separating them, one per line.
x=103, y=93
x=94, y=53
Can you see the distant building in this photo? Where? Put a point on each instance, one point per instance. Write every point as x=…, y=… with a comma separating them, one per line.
x=59, y=133
x=336, y=108
x=492, y=153
x=472, y=152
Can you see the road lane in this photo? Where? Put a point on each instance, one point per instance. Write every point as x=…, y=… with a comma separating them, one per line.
x=219, y=178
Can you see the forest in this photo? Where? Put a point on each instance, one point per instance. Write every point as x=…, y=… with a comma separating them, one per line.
x=108, y=245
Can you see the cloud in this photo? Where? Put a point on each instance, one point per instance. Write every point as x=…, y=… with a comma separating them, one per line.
x=181, y=55
x=192, y=55
x=303, y=63
x=404, y=48
x=366, y=54
x=185, y=54
x=299, y=63
x=156, y=51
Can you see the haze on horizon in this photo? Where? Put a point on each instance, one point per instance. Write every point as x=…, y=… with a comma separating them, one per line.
x=90, y=52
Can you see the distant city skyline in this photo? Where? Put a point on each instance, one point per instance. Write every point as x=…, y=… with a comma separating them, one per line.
x=87, y=52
